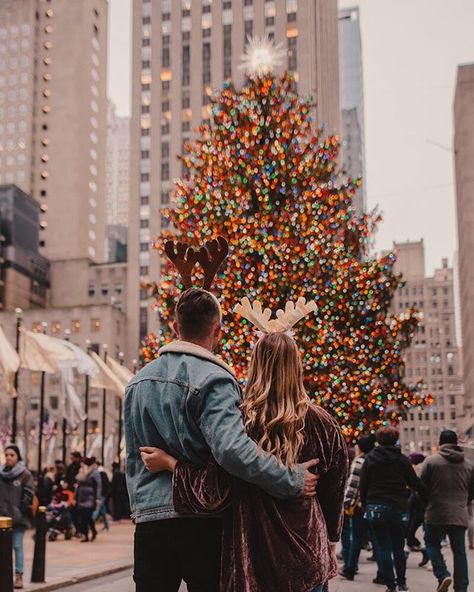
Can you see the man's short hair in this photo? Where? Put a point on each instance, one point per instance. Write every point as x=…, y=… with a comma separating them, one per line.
x=76, y=454
x=196, y=312
x=387, y=436
x=366, y=443
x=448, y=437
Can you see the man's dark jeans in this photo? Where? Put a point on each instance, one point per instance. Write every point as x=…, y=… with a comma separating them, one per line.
x=168, y=551
x=357, y=535
x=388, y=527
x=434, y=534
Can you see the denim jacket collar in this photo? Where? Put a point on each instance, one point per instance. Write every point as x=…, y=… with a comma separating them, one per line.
x=186, y=347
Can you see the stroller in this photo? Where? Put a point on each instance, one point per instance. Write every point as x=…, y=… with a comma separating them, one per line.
x=58, y=515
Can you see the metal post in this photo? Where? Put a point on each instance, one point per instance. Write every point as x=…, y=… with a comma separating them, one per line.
x=64, y=430
x=40, y=443
x=104, y=408
x=39, y=557
x=120, y=420
x=6, y=560
x=18, y=312
x=86, y=403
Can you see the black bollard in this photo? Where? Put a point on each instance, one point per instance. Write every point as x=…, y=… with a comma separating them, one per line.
x=6, y=559
x=39, y=557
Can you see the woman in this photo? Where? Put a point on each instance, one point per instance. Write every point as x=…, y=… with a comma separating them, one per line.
x=16, y=498
x=88, y=497
x=271, y=544
x=385, y=482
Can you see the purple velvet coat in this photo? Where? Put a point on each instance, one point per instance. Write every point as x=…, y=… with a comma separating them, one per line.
x=270, y=544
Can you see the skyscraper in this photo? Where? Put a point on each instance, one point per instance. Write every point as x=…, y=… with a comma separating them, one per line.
x=434, y=356
x=53, y=118
x=464, y=169
x=182, y=51
x=352, y=98
x=118, y=167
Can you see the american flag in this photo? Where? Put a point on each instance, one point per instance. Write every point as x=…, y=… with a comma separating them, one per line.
x=49, y=428
x=6, y=429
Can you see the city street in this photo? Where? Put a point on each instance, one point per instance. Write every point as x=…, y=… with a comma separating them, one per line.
x=419, y=579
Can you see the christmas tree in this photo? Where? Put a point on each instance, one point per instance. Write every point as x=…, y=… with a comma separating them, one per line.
x=262, y=176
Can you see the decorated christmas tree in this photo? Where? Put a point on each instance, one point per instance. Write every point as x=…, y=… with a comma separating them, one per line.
x=263, y=176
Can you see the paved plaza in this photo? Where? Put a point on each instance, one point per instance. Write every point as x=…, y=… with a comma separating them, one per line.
x=105, y=566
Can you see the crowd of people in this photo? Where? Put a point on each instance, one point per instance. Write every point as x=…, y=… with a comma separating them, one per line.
x=76, y=497
x=392, y=499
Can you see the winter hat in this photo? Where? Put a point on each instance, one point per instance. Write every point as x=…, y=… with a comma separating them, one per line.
x=15, y=449
x=416, y=458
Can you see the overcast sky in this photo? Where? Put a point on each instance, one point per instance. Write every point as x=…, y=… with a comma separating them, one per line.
x=411, y=49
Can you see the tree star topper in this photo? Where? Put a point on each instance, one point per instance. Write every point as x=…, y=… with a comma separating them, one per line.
x=262, y=56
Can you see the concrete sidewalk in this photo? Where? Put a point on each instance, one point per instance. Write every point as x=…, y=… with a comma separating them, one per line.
x=68, y=562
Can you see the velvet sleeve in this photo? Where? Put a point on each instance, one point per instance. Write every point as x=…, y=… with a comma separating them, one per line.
x=332, y=483
x=201, y=491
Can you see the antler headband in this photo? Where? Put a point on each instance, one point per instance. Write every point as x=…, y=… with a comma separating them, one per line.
x=286, y=319
x=211, y=255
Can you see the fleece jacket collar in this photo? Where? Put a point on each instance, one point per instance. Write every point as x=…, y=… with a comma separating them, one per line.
x=186, y=347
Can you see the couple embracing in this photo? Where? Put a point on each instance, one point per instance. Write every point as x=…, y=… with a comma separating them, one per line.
x=230, y=492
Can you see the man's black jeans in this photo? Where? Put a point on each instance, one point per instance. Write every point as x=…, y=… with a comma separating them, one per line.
x=168, y=551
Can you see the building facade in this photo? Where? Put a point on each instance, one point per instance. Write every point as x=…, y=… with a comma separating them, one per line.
x=118, y=168
x=24, y=273
x=53, y=118
x=352, y=99
x=464, y=172
x=183, y=51
x=434, y=357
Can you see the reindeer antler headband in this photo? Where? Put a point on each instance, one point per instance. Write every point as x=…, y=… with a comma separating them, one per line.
x=211, y=255
x=285, y=319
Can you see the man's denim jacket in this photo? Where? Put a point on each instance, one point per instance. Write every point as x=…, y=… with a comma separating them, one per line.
x=187, y=402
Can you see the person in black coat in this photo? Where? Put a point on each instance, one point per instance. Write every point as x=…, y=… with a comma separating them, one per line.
x=119, y=494
x=386, y=479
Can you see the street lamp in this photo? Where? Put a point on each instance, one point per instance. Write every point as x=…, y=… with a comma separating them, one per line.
x=86, y=402
x=104, y=403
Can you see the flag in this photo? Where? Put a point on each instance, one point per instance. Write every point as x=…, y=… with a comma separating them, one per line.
x=9, y=363
x=42, y=353
x=84, y=364
x=106, y=379
x=121, y=372
x=96, y=445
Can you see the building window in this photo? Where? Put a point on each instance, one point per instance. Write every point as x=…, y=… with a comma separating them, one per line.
x=143, y=294
x=145, y=131
x=248, y=29
x=185, y=126
x=95, y=325
x=269, y=21
x=206, y=63
x=145, y=177
x=91, y=289
x=145, y=154
x=165, y=106
x=146, y=20
x=248, y=2
x=165, y=197
x=206, y=8
x=227, y=5
x=144, y=247
x=143, y=322
x=144, y=224
x=144, y=200
x=292, y=58
x=165, y=128
x=54, y=402
x=186, y=65
x=145, y=109
x=165, y=171
x=165, y=149
x=185, y=100
x=165, y=57
x=291, y=17
x=144, y=270
x=75, y=326
x=165, y=85
x=227, y=51
x=56, y=327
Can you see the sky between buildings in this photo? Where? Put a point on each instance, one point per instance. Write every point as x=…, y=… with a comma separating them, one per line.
x=411, y=49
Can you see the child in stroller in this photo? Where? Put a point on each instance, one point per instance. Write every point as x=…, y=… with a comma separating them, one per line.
x=58, y=514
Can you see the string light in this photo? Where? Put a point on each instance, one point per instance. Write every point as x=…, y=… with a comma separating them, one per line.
x=260, y=175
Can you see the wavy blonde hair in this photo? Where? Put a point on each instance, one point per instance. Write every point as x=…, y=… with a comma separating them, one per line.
x=275, y=401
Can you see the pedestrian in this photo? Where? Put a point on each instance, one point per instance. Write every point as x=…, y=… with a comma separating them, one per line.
x=102, y=508
x=187, y=401
x=385, y=482
x=354, y=513
x=119, y=494
x=416, y=506
x=16, y=500
x=59, y=473
x=44, y=487
x=88, y=496
x=449, y=480
x=70, y=477
x=271, y=544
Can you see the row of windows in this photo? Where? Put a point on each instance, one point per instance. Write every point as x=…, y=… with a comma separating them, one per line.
x=104, y=289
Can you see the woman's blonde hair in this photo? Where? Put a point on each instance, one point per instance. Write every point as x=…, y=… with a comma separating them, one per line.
x=275, y=401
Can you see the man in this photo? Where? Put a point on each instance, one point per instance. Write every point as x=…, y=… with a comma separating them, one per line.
x=187, y=402
x=449, y=480
x=353, y=509
x=73, y=469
